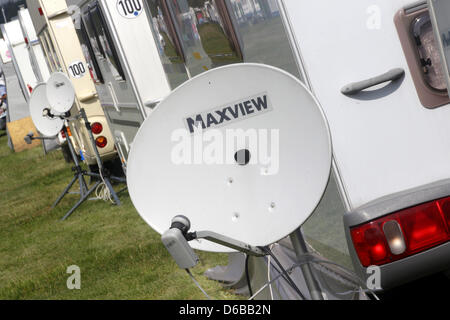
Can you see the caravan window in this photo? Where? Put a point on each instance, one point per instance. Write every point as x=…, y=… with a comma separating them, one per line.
x=93, y=37
x=48, y=60
x=50, y=52
x=261, y=33
x=167, y=42
x=105, y=43
x=89, y=53
x=205, y=35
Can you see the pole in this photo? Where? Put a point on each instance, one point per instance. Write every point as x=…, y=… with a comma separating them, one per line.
x=300, y=248
x=4, y=15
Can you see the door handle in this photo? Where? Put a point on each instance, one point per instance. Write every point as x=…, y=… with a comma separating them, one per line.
x=356, y=87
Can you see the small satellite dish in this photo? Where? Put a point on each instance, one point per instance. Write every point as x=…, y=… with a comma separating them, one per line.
x=257, y=193
x=60, y=92
x=41, y=112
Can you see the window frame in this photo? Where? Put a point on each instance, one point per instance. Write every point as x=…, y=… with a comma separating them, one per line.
x=172, y=28
x=48, y=60
x=93, y=57
x=96, y=9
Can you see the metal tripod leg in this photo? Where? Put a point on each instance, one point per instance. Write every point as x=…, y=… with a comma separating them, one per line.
x=113, y=193
x=83, y=186
x=66, y=190
x=82, y=199
x=108, y=185
x=78, y=175
x=105, y=178
x=299, y=243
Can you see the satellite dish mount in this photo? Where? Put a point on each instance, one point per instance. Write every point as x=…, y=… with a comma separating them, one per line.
x=103, y=177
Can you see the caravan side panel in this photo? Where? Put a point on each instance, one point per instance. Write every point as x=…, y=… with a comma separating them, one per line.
x=143, y=60
x=385, y=141
x=21, y=57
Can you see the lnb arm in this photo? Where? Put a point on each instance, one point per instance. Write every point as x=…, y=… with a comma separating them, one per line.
x=176, y=241
x=30, y=137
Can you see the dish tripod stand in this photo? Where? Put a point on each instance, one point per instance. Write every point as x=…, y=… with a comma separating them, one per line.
x=79, y=173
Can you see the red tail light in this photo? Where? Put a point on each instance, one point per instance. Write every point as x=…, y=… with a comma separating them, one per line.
x=101, y=142
x=41, y=12
x=97, y=128
x=402, y=234
x=91, y=72
x=26, y=40
x=63, y=134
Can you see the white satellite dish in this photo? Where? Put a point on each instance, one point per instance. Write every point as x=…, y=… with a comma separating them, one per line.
x=257, y=203
x=60, y=92
x=41, y=112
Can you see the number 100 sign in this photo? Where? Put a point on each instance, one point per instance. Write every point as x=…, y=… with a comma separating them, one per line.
x=130, y=8
x=77, y=69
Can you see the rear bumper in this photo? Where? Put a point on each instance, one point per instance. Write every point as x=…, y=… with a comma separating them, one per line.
x=429, y=262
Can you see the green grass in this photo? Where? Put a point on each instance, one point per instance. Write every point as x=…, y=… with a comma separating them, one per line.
x=119, y=255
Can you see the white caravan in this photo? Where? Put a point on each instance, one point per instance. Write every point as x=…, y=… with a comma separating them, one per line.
x=391, y=151
x=4, y=52
x=63, y=53
x=34, y=47
x=12, y=33
x=40, y=67
x=386, y=203
x=125, y=64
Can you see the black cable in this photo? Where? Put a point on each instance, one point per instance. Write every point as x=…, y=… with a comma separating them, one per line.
x=247, y=274
x=288, y=278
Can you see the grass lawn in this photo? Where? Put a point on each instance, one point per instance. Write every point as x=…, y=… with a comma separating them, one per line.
x=119, y=255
